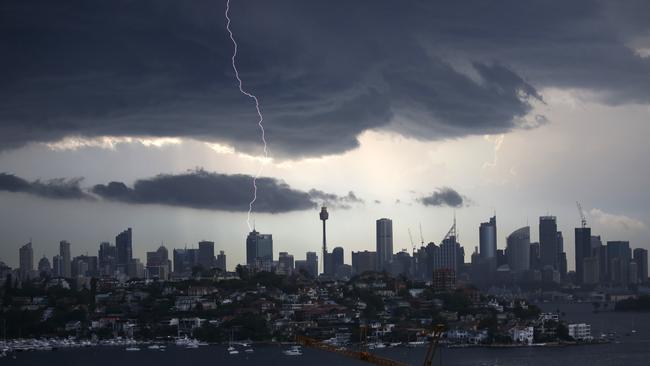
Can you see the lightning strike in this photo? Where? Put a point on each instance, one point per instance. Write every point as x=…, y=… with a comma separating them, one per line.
x=257, y=108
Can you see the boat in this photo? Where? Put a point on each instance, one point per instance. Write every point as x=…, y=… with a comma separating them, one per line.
x=249, y=350
x=154, y=347
x=293, y=351
x=232, y=350
x=132, y=349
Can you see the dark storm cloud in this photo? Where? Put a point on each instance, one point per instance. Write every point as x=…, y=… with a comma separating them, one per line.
x=324, y=71
x=206, y=190
x=335, y=201
x=59, y=188
x=444, y=196
x=194, y=189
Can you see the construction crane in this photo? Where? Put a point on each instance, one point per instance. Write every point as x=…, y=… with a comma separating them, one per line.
x=421, y=236
x=412, y=244
x=372, y=358
x=583, y=220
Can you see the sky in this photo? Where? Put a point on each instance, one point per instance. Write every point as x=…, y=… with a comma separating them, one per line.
x=128, y=114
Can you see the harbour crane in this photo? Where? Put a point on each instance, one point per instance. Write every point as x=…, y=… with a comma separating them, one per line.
x=372, y=358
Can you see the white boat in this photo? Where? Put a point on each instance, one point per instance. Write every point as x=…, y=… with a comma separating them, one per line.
x=293, y=351
x=232, y=350
x=249, y=350
x=154, y=347
x=131, y=349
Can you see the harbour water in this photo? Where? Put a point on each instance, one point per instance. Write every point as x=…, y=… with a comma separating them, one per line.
x=631, y=348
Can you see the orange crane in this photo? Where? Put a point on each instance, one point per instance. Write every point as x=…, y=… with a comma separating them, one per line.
x=369, y=357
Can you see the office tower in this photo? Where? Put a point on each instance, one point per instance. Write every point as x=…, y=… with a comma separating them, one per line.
x=158, y=264
x=312, y=263
x=535, y=262
x=518, y=248
x=560, y=242
x=364, y=262
x=641, y=259
x=582, y=250
x=44, y=267
x=488, y=238
x=548, y=241
x=84, y=266
x=107, y=259
x=336, y=259
x=632, y=272
x=26, y=256
x=384, y=243
x=619, y=256
x=136, y=268
x=56, y=266
x=323, y=217
x=259, y=250
x=449, y=255
x=591, y=271
x=285, y=263
x=502, y=258
x=401, y=264
x=64, y=252
x=206, y=254
x=562, y=262
x=221, y=261
x=124, y=248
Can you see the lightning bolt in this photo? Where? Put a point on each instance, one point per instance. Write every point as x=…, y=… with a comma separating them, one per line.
x=257, y=108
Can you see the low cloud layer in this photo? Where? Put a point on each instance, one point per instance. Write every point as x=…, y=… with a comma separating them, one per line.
x=617, y=222
x=444, y=196
x=194, y=189
x=428, y=70
x=54, y=188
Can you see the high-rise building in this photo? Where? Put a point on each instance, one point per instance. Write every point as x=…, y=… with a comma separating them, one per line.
x=518, y=249
x=56, y=265
x=285, y=263
x=259, y=250
x=488, y=238
x=221, y=261
x=619, y=257
x=64, y=252
x=206, y=254
x=364, y=261
x=26, y=256
x=158, y=264
x=336, y=259
x=641, y=259
x=450, y=255
x=44, y=267
x=84, y=266
x=107, y=259
x=535, y=262
x=124, y=248
x=184, y=261
x=384, y=243
x=582, y=250
x=324, y=215
x=548, y=241
x=312, y=263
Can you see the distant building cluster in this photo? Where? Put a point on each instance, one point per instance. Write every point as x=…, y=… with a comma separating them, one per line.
x=522, y=262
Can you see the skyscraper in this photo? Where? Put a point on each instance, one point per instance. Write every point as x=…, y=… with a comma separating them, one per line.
x=158, y=264
x=259, y=250
x=384, y=243
x=124, y=248
x=619, y=256
x=336, y=259
x=488, y=238
x=285, y=263
x=44, y=267
x=364, y=261
x=26, y=256
x=312, y=263
x=66, y=265
x=206, y=254
x=107, y=259
x=582, y=250
x=323, y=217
x=641, y=259
x=221, y=261
x=548, y=241
x=518, y=249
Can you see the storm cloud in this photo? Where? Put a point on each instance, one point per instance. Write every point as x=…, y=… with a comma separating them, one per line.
x=444, y=196
x=335, y=201
x=59, y=188
x=428, y=70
